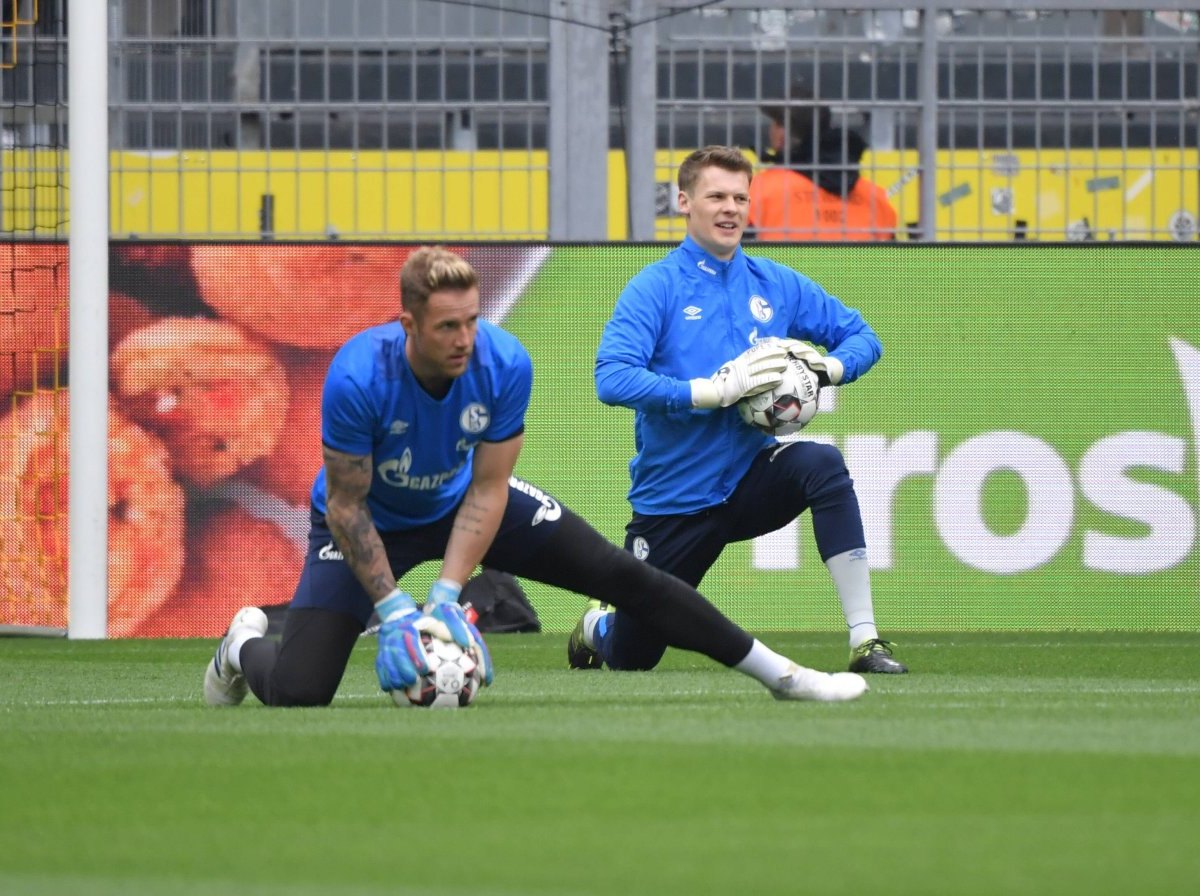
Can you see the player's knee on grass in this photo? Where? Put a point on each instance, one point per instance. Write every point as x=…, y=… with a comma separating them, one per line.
x=297, y=694
x=306, y=667
x=642, y=663
x=277, y=683
x=631, y=647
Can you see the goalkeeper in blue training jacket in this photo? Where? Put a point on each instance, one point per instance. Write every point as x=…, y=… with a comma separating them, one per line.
x=701, y=477
x=422, y=421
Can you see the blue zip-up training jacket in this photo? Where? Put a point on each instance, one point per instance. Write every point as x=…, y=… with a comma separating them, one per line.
x=682, y=318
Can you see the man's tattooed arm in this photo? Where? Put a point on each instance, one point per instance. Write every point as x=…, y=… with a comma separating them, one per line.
x=347, y=480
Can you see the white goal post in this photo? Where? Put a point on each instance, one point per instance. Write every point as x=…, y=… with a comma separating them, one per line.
x=87, y=608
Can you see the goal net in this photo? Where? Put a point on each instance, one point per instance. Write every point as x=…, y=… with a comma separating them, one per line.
x=34, y=300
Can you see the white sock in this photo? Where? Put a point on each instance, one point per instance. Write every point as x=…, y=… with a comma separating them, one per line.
x=861, y=633
x=764, y=664
x=590, y=618
x=233, y=650
x=852, y=578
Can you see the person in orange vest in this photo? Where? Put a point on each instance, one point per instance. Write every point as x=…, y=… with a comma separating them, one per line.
x=812, y=188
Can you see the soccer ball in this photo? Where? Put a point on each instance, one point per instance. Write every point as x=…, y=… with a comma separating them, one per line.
x=788, y=407
x=453, y=679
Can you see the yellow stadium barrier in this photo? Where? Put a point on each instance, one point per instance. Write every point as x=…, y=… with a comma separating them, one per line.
x=1135, y=194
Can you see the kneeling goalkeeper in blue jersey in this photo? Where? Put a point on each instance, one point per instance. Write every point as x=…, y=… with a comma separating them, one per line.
x=422, y=422
x=701, y=478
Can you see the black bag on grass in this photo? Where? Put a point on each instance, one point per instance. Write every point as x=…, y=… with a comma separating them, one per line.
x=500, y=602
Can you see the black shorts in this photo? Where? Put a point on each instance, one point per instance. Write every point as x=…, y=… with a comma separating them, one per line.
x=328, y=583
x=781, y=484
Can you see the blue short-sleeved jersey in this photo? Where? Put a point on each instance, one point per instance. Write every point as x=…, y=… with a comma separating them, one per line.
x=421, y=447
x=682, y=318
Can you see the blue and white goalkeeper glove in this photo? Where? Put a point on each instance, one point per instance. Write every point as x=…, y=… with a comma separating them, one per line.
x=442, y=604
x=401, y=660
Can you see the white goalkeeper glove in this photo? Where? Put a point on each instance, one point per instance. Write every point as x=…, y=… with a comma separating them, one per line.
x=755, y=370
x=829, y=370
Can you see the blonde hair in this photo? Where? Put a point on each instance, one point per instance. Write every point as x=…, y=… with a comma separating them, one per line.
x=430, y=269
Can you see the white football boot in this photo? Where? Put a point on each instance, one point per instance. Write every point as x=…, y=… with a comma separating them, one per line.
x=223, y=684
x=800, y=683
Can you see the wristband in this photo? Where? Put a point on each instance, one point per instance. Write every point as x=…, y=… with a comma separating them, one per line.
x=444, y=591
x=836, y=369
x=395, y=601
x=705, y=394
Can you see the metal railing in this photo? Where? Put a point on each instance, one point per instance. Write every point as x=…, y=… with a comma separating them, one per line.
x=565, y=119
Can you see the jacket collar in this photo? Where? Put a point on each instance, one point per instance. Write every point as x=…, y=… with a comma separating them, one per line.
x=705, y=262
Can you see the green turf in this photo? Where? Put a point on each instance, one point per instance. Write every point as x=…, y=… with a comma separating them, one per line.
x=1006, y=763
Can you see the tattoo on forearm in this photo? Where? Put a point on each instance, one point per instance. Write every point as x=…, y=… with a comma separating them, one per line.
x=349, y=479
x=360, y=545
x=470, y=517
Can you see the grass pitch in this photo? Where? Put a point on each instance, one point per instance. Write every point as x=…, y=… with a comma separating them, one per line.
x=1040, y=763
